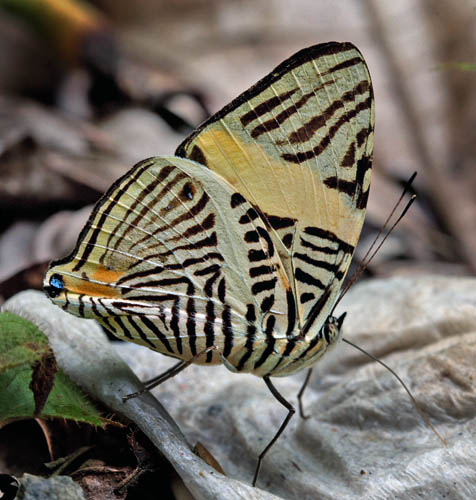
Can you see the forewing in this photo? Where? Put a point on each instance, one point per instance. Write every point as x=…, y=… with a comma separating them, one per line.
x=298, y=146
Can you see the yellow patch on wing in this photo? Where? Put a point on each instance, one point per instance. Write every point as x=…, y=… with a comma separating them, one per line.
x=227, y=161
x=264, y=181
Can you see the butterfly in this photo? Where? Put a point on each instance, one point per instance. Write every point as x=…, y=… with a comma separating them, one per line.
x=234, y=250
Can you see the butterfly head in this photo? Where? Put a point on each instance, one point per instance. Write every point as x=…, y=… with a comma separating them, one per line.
x=332, y=329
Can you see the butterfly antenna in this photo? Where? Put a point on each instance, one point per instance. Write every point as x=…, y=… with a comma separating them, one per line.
x=379, y=246
x=385, y=224
x=370, y=254
x=395, y=374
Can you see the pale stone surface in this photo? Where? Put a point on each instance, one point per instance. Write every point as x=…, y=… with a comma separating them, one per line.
x=364, y=438
x=361, y=418
x=53, y=488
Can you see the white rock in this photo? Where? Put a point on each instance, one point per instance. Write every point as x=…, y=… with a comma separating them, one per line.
x=364, y=438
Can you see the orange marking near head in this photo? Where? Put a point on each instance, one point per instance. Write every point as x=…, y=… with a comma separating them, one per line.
x=106, y=287
x=95, y=290
x=106, y=275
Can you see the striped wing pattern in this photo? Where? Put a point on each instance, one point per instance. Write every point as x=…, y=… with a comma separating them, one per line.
x=161, y=262
x=242, y=240
x=298, y=146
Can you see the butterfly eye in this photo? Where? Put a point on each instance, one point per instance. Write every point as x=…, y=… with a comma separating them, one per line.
x=326, y=330
x=56, y=286
x=331, y=329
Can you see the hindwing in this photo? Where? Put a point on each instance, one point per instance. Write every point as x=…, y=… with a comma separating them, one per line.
x=174, y=258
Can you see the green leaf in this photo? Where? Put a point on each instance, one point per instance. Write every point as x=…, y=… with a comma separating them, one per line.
x=21, y=342
x=24, y=352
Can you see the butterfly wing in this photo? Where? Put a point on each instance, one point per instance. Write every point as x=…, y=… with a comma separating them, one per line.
x=174, y=258
x=248, y=254
x=298, y=146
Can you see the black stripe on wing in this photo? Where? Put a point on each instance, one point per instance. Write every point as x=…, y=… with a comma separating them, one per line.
x=302, y=57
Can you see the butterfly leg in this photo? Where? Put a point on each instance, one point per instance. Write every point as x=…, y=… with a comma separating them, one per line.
x=301, y=392
x=171, y=372
x=291, y=412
